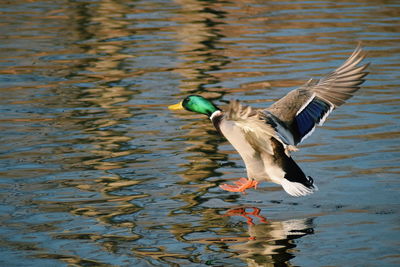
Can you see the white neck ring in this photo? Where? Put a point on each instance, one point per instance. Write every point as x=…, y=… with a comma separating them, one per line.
x=215, y=113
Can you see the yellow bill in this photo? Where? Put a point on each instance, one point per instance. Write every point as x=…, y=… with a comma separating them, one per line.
x=176, y=106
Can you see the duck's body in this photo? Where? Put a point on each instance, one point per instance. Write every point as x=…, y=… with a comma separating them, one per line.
x=265, y=137
x=264, y=156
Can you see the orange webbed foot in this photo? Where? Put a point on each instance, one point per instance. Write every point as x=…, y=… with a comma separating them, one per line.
x=240, y=186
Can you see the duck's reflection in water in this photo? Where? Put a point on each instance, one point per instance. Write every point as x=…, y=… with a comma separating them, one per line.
x=268, y=243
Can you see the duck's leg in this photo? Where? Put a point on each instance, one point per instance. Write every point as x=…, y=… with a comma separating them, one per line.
x=240, y=186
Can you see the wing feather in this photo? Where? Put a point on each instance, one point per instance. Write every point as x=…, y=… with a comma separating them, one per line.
x=306, y=107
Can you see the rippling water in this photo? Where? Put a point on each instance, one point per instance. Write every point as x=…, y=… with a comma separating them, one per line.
x=95, y=171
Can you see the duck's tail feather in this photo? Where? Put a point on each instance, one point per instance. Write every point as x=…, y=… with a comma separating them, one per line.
x=297, y=189
x=291, y=177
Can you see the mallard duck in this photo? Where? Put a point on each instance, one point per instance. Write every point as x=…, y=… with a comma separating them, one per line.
x=264, y=138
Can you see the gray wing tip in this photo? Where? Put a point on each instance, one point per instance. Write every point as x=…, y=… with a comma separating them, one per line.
x=343, y=82
x=359, y=50
x=358, y=55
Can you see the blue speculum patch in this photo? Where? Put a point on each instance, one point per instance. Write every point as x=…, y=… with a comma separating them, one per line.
x=310, y=116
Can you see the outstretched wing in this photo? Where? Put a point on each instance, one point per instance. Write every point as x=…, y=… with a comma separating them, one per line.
x=301, y=110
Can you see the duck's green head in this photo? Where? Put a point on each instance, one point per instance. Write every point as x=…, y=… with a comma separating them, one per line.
x=196, y=103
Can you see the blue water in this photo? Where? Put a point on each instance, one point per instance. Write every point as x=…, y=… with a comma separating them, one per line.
x=96, y=171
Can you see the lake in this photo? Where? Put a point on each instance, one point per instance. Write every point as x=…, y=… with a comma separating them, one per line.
x=96, y=171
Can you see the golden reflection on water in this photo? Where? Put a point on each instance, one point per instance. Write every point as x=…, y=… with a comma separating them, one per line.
x=104, y=144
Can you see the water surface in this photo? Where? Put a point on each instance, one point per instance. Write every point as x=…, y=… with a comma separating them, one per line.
x=95, y=171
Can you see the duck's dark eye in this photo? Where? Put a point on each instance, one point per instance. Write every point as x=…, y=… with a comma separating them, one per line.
x=185, y=101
